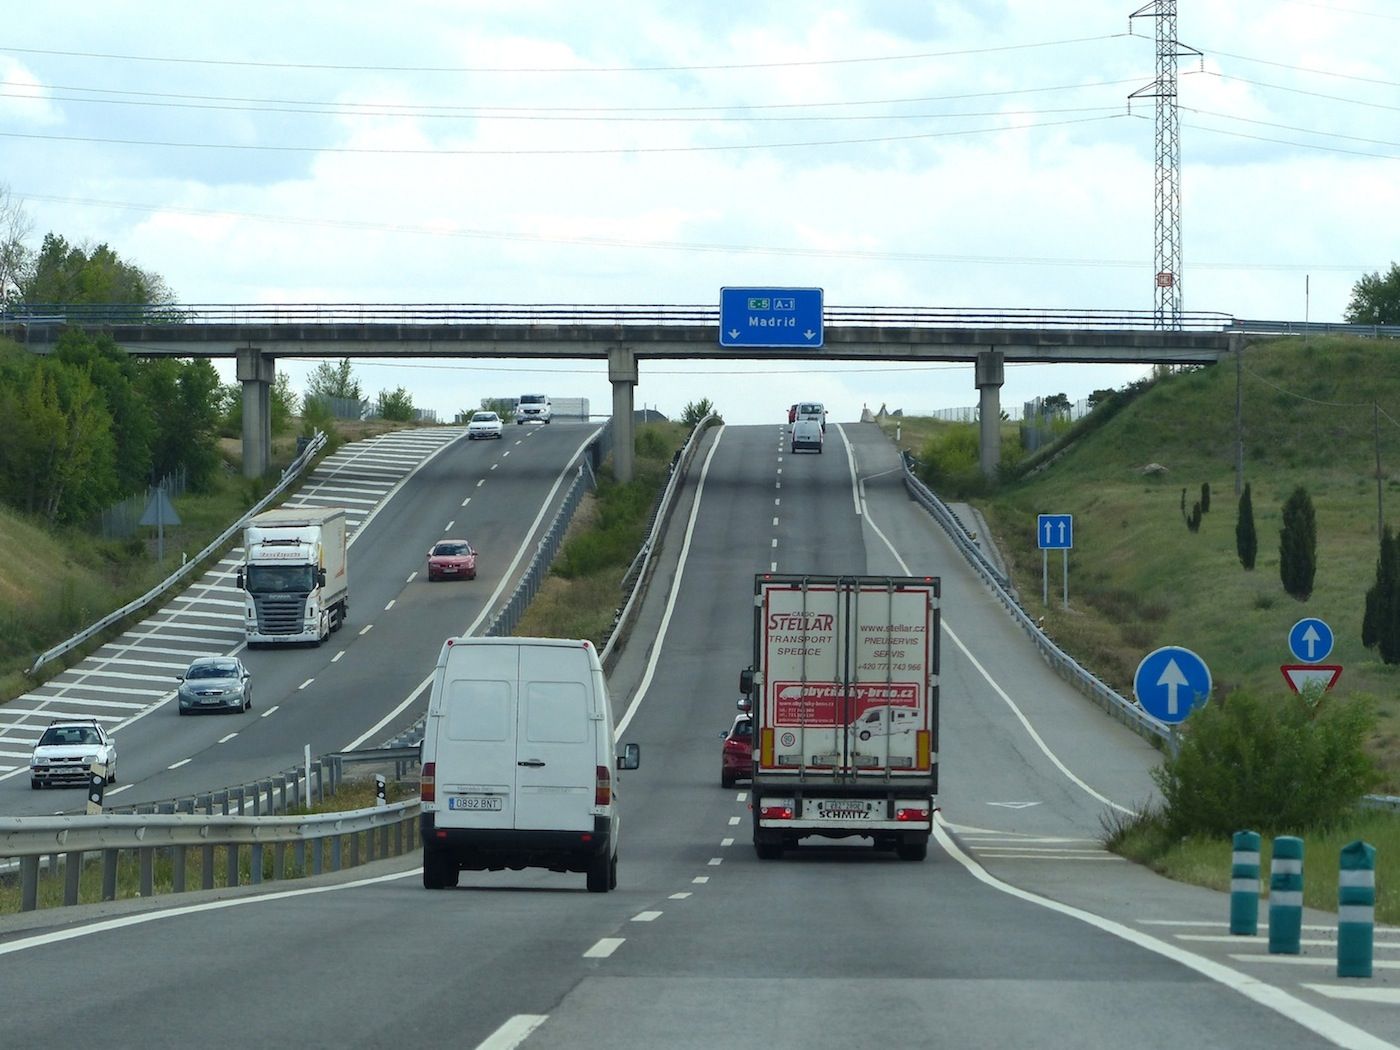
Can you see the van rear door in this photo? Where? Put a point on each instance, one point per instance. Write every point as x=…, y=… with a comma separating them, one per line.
x=557, y=743
x=476, y=739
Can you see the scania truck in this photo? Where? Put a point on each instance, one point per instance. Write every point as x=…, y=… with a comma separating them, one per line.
x=844, y=695
x=294, y=575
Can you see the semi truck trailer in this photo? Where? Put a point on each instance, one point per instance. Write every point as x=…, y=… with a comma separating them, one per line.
x=294, y=576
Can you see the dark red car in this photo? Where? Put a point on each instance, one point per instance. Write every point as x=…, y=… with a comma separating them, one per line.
x=736, y=758
x=451, y=559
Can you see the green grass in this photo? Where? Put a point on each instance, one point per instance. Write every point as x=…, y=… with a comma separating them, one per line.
x=1138, y=579
x=1206, y=862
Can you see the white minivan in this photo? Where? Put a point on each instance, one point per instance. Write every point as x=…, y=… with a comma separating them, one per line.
x=518, y=761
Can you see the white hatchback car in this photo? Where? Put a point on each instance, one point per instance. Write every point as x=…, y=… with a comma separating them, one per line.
x=484, y=425
x=67, y=751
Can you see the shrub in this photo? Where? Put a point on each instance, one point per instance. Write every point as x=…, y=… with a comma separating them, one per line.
x=1286, y=764
x=1297, y=545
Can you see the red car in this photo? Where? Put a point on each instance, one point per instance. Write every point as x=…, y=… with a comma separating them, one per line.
x=736, y=759
x=450, y=559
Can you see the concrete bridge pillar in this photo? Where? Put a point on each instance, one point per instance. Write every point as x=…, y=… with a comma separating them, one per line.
x=622, y=374
x=990, y=375
x=257, y=372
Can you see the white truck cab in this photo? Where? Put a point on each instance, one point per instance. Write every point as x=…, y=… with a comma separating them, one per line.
x=518, y=761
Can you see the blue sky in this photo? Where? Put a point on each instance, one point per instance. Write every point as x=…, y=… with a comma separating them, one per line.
x=957, y=154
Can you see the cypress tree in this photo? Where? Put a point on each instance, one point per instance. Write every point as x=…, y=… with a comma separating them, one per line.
x=1384, y=609
x=1297, y=545
x=1205, y=497
x=1246, y=539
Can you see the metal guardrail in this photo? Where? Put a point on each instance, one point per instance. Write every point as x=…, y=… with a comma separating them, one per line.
x=1371, y=331
x=40, y=315
x=292, y=470
x=383, y=830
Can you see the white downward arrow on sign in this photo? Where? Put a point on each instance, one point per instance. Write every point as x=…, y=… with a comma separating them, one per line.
x=734, y=333
x=1173, y=679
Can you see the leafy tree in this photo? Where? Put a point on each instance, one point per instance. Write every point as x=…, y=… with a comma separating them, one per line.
x=696, y=410
x=1375, y=299
x=1246, y=539
x=116, y=375
x=1297, y=547
x=185, y=403
x=502, y=406
x=396, y=405
x=334, y=380
x=1055, y=404
x=1380, y=626
x=65, y=273
x=284, y=404
x=1098, y=397
x=15, y=226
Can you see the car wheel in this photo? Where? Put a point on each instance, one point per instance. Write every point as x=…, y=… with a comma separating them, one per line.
x=182, y=711
x=599, y=874
x=35, y=784
x=439, y=870
x=612, y=868
x=248, y=700
x=112, y=775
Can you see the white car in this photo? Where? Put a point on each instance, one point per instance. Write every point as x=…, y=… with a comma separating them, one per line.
x=533, y=407
x=484, y=425
x=67, y=751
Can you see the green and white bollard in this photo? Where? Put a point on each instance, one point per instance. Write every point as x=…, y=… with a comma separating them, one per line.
x=1356, y=910
x=1286, y=896
x=1244, y=884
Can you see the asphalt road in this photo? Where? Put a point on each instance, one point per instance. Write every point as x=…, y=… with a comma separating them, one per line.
x=1017, y=930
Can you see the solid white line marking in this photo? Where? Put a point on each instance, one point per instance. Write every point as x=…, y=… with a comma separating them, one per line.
x=735, y=820
x=513, y=1032
x=646, y=916
x=390, y=605
x=365, y=629
x=714, y=861
x=337, y=656
x=1245, y=939
x=700, y=879
x=604, y=948
x=226, y=739
x=726, y=842
x=1311, y=960
x=305, y=684
x=1331, y=1028
x=856, y=493
x=269, y=711
x=182, y=762
x=679, y=896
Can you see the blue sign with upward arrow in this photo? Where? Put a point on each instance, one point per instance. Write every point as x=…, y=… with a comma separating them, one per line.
x=1170, y=681
x=780, y=317
x=1311, y=640
x=1054, y=532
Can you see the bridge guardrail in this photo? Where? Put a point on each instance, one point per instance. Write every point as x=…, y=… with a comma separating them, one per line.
x=288, y=475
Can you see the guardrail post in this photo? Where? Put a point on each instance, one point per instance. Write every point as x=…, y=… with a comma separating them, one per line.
x=231, y=864
x=28, y=883
x=398, y=838
x=317, y=770
x=384, y=841
x=335, y=852
x=355, y=850
x=221, y=799
x=1356, y=909
x=109, y=874
x=147, y=864
x=305, y=858
x=238, y=794
x=207, y=874
x=279, y=861
x=1286, y=896
x=369, y=847
x=72, y=872
x=255, y=863
x=178, y=864
x=1244, y=884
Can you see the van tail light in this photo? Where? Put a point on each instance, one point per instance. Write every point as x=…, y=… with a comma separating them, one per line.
x=602, y=794
x=427, y=783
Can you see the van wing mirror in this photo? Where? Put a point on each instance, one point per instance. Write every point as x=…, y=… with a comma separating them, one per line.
x=631, y=757
x=746, y=681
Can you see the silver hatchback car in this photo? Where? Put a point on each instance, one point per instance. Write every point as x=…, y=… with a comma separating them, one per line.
x=215, y=683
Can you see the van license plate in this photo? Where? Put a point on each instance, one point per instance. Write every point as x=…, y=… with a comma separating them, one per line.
x=844, y=810
x=474, y=802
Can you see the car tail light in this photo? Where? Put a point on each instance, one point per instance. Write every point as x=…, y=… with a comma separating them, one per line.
x=777, y=808
x=427, y=783
x=602, y=794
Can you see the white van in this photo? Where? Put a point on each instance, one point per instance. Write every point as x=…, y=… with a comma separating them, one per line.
x=518, y=761
x=806, y=434
x=535, y=407
x=811, y=410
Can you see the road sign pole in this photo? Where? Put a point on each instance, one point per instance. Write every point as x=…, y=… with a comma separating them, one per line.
x=1044, y=577
x=1066, y=553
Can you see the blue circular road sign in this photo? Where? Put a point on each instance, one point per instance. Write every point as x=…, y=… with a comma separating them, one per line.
x=1171, y=681
x=1310, y=640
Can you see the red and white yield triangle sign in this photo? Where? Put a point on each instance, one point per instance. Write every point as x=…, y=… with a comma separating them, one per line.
x=1303, y=676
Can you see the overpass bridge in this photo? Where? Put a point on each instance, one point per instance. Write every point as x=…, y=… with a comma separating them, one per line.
x=625, y=336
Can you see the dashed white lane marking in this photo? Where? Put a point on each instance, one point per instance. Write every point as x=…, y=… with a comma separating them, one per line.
x=412, y=576
x=780, y=470
x=726, y=842
x=513, y=1032
x=226, y=739
x=716, y=861
x=505, y=453
x=604, y=948
x=775, y=523
x=775, y=541
x=778, y=485
x=1390, y=996
x=494, y=466
x=337, y=656
x=466, y=501
x=734, y=820
x=777, y=501
x=742, y=796
x=182, y=762
x=390, y=605
x=117, y=790
x=646, y=916
x=365, y=629
x=269, y=711
x=772, y=566
x=700, y=880
x=481, y=482
x=450, y=525
x=679, y=896
x=305, y=684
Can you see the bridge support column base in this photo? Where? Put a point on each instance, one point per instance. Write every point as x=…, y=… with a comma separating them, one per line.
x=990, y=374
x=257, y=372
x=622, y=374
